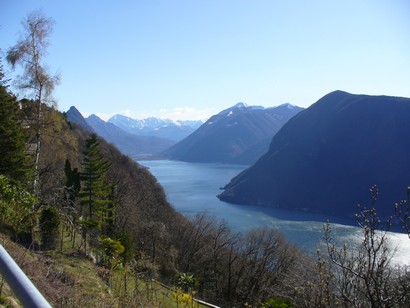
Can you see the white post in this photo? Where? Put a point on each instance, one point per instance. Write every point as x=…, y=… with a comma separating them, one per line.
x=24, y=289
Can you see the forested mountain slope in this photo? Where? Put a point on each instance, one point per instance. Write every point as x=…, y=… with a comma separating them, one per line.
x=327, y=157
x=133, y=199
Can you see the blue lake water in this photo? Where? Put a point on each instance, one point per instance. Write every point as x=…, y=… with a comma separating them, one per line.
x=192, y=188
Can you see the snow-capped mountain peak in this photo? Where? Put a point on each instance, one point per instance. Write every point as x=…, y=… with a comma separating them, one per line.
x=152, y=126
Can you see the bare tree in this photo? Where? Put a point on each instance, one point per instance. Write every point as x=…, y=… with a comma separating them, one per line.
x=29, y=52
x=402, y=211
x=364, y=275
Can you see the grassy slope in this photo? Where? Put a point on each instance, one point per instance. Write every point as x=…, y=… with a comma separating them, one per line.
x=64, y=278
x=67, y=279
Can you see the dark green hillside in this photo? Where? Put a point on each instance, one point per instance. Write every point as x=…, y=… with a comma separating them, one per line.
x=138, y=207
x=327, y=157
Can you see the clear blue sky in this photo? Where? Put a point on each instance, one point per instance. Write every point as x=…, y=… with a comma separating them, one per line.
x=191, y=59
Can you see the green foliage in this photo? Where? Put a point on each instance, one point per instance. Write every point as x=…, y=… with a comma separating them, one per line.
x=95, y=191
x=49, y=225
x=112, y=250
x=89, y=224
x=187, y=282
x=276, y=303
x=15, y=207
x=13, y=160
x=129, y=246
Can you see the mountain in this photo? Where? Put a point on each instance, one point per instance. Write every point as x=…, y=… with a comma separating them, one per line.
x=130, y=144
x=75, y=116
x=240, y=134
x=327, y=157
x=127, y=143
x=173, y=130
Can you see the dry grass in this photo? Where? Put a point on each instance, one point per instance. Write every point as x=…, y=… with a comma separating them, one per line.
x=65, y=280
x=68, y=279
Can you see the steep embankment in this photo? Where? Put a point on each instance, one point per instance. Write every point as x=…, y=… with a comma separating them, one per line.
x=141, y=218
x=328, y=156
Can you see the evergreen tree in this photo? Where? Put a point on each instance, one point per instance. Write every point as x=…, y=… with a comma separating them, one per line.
x=96, y=192
x=73, y=185
x=13, y=160
x=49, y=224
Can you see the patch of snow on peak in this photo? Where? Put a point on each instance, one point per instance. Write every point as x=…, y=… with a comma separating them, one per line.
x=240, y=105
x=289, y=105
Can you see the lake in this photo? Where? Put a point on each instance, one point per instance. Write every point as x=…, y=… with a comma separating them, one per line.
x=192, y=188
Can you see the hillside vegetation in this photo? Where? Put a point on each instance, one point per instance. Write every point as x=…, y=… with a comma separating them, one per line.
x=92, y=228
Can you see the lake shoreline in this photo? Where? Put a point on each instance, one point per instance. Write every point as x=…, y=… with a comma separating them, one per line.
x=192, y=188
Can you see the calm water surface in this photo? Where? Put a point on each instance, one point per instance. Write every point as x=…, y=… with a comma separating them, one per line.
x=192, y=188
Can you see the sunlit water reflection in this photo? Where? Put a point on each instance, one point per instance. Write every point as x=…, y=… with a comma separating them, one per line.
x=192, y=188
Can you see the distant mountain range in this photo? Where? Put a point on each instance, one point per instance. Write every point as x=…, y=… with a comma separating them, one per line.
x=173, y=130
x=239, y=135
x=132, y=145
x=327, y=157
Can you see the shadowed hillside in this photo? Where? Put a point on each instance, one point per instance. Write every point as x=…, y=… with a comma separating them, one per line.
x=238, y=135
x=327, y=157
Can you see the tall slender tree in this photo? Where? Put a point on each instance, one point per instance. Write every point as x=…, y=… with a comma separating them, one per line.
x=29, y=52
x=95, y=192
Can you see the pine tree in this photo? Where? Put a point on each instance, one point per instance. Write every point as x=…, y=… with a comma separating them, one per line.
x=13, y=160
x=95, y=192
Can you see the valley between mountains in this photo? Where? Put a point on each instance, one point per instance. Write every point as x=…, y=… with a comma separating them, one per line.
x=323, y=159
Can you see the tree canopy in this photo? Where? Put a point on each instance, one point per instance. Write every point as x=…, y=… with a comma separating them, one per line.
x=14, y=162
